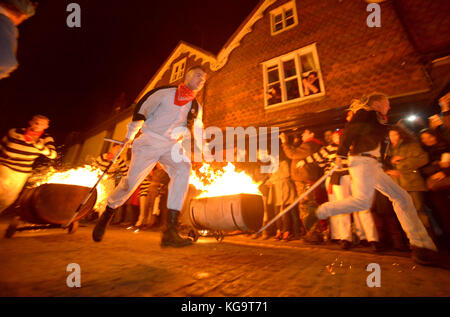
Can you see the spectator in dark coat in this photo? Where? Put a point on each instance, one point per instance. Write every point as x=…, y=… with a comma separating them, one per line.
x=437, y=175
x=303, y=178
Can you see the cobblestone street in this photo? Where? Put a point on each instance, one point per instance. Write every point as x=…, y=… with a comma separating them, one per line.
x=133, y=264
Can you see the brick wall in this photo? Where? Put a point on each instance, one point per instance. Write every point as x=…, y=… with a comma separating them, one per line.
x=354, y=59
x=428, y=25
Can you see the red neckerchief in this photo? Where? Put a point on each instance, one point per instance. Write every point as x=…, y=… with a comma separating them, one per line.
x=31, y=135
x=109, y=156
x=183, y=95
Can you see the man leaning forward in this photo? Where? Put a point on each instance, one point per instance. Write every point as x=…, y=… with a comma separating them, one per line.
x=159, y=115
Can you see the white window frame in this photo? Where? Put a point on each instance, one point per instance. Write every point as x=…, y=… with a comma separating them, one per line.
x=177, y=70
x=278, y=61
x=281, y=10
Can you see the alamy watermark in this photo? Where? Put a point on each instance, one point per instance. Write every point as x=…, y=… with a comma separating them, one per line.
x=374, y=278
x=374, y=18
x=258, y=148
x=73, y=20
x=74, y=278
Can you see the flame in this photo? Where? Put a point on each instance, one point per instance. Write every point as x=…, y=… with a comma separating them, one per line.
x=224, y=182
x=82, y=176
x=85, y=176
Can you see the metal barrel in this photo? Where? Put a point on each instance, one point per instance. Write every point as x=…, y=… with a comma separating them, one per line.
x=243, y=212
x=54, y=203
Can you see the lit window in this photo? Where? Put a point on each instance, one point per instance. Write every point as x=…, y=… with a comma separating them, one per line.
x=293, y=77
x=178, y=70
x=283, y=18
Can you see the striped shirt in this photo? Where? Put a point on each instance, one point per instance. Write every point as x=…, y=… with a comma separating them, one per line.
x=145, y=186
x=19, y=155
x=119, y=166
x=157, y=178
x=323, y=157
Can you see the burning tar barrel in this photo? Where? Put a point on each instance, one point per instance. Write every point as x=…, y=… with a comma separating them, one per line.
x=54, y=203
x=243, y=212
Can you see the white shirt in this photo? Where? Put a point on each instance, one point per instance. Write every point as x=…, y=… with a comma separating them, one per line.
x=163, y=117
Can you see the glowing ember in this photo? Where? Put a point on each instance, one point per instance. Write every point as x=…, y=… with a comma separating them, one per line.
x=85, y=176
x=221, y=183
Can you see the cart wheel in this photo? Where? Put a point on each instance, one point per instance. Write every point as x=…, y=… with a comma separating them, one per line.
x=219, y=236
x=12, y=227
x=73, y=227
x=193, y=234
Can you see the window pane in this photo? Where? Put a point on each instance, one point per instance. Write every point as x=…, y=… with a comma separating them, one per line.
x=274, y=94
x=278, y=27
x=292, y=89
x=278, y=18
x=307, y=61
x=289, y=68
x=289, y=21
x=182, y=66
x=289, y=13
x=272, y=73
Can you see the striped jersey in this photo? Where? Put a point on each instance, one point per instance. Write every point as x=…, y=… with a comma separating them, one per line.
x=119, y=166
x=145, y=186
x=323, y=157
x=157, y=177
x=19, y=155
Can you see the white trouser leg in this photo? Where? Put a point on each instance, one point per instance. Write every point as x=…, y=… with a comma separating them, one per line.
x=359, y=230
x=144, y=157
x=363, y=180
x=367, y=176
x=405, y=211
x=365, y=225
x=179, y=173
x=340, y=225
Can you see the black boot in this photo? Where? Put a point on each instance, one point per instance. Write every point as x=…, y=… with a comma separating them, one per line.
x=170, y=237
x=427, y=257
x=99, y=229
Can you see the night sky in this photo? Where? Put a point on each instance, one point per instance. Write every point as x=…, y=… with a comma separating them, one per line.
x=73, y=75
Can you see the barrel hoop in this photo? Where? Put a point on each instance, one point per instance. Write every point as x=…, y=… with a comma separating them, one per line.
x=194, y=222
x=234, y=220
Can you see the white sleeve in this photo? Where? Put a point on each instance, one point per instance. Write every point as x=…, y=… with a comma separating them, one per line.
x=148, y=104
x=144, y=109
x=133, y=128
x=199, y=133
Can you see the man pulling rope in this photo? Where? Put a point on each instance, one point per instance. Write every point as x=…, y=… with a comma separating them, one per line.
x=158, y=115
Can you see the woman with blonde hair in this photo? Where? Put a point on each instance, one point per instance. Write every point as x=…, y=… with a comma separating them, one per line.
x=361, y=141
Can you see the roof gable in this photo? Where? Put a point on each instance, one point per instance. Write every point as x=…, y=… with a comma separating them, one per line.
x=181, y=48
x=215, y=62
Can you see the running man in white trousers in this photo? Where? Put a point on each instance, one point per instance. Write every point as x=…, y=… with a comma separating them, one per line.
x=363, y=138
x=159, y=114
